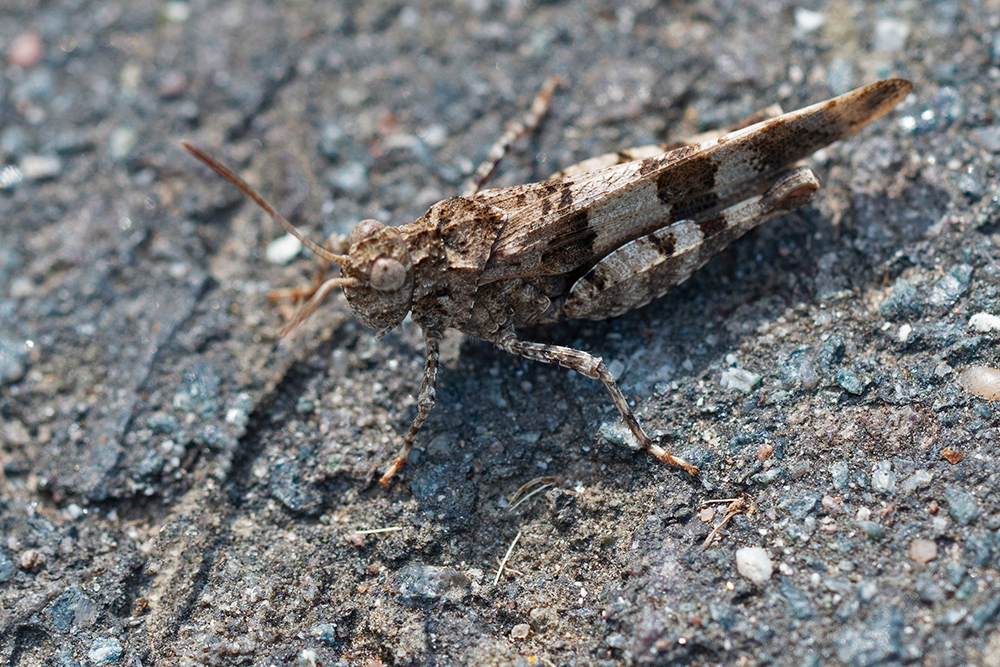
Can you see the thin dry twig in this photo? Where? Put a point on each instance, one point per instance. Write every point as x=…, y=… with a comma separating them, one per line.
x=375, y=531
x=506, y=557
x=547, y=479
x=521, y=495
x=508, y=569
x=736, y=506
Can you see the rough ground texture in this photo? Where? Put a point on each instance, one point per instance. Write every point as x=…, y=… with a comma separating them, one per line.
x=181, y=488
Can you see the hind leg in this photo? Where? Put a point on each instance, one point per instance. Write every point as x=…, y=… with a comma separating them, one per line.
x=592, y=367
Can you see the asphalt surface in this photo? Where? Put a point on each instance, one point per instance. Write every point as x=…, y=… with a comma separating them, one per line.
x=181, y=487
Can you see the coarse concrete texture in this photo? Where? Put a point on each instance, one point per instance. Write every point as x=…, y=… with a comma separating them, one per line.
x=181, y=487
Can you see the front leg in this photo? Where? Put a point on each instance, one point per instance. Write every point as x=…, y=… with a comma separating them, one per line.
x=592, y=367
x=425, y=402
x=310, y=296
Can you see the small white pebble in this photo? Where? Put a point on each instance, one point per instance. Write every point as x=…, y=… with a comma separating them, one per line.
x=890, y=35
x=981, y=381
x=176, y=12
x=40, y=167
x=283, y=249
x=807, y=20
x=904, y=333
x=307, y=658
x=917, y=480
x=520, y=631
x=923, y=551
x=739, y=379
x=984, y=322
x=831, y=505
x=754, y=564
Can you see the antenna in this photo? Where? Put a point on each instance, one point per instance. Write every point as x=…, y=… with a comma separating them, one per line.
x=229, y=175
x=310, y=306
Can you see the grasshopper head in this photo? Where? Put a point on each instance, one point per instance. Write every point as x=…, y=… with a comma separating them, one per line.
x=377, y=273
x=381, y=291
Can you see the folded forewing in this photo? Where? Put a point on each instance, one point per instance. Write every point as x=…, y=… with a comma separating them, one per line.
x=562, y=226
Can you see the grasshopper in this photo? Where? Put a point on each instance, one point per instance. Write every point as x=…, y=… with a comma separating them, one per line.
x=592, y=242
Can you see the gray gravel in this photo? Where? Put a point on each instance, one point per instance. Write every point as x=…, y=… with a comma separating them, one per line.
x=179, y=487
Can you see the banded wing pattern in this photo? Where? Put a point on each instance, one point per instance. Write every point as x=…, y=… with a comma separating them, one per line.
x=567, y=226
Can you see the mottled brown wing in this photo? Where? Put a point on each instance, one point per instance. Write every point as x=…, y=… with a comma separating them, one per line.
x=564, y=226
x=646, y=268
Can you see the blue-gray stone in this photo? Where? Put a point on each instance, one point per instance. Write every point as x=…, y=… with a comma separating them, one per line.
x=902, y=301
x=840, y=474
x=161, y=422
x=928, y=590
x=801, y=506
x=65, y=659
x=326, y=633
x=872, y=529
x=840, y=75
x=951, y=285
x=962, y=505
x=798, y=369
x=216, y=436
x=884, y=479
x=104, y=650
x=722, y=614
x=7, y=567
x=13, y=360
x=972, y=187
x=952, y=616
x=798, y=602
x=876, y=642
x=350, y=178
x=967, y=589
x=983, y=614
x=831, y=352
x=72, y=607
x=198, y=390
x=987, y=138
x=979, y=547
x=849, y=381
x=332, y=140
x=290, y=485
x=955, y=572
x=849, y=608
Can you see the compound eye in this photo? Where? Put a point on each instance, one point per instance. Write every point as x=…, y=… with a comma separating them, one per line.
x=387, y=275
x=364, y=229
